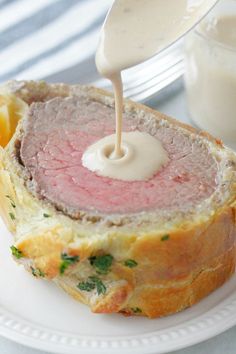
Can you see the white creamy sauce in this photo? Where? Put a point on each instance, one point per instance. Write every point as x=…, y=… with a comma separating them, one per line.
x=222, y=30
x=141, y=157
x=134, y=31
x=211, y=77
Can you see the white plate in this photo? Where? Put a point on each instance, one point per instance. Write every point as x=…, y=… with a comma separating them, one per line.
x=35, y=313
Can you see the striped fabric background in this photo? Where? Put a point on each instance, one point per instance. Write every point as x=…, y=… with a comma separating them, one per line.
x=50, y=39
x=55, y=40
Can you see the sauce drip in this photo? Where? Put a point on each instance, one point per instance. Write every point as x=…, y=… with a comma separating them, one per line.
x=137, y=158
x=134, y=31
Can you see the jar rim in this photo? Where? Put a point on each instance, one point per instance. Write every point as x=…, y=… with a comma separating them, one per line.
x=207, y=37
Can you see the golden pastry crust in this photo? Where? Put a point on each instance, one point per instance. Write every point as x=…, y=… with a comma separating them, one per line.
x=153, y=269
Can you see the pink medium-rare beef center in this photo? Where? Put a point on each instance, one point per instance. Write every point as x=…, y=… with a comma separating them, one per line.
x=56, y=135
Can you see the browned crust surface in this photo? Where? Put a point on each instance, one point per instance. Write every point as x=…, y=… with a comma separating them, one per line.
x=174, y=274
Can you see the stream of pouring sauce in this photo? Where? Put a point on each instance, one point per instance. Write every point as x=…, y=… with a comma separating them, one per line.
x=134, y=31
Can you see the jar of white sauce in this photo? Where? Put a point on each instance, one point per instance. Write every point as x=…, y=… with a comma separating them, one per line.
x=210, y=75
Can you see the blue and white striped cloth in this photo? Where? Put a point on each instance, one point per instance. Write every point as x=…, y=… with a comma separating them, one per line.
x=50, y=39
x=55, y=40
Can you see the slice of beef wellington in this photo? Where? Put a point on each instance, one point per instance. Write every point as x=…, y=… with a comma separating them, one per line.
x=147, y=248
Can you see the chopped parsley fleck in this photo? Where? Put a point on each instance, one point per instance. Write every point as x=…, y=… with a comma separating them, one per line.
x=102, y=264
x=11, y=200
x=37, y=272
x=67, y=260
x=101, y=289
x=16, y=253
x=165, y=237
x=136, y=310
x=92, y=283
x=46, y=215
x=12, y=216
x=131, y=263
x=86, y=286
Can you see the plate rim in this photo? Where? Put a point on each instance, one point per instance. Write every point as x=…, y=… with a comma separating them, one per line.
x=215, y=321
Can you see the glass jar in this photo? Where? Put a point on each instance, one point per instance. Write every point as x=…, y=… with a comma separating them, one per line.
x=210, y=72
